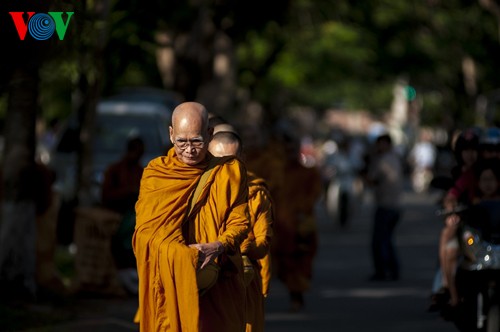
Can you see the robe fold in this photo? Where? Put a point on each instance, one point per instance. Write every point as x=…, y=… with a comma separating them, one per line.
x=257, y=247
x=168, y=294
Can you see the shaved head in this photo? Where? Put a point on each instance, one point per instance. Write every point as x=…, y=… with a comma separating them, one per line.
x=224, y=127
x=190, y=111
x=225, y=143
x=190, y=133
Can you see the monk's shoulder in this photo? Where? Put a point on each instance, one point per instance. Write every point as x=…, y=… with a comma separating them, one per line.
x=155, y=170
x=157, y=162
x=231, y=168
x=231, y=162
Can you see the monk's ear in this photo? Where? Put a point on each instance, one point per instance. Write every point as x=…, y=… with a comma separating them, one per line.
x=171, y=131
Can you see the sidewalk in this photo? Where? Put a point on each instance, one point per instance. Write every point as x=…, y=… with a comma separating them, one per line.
x=72, y=315
x=100, y=315
x=340, y=291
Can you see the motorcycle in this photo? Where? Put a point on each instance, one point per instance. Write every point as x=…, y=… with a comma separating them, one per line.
x=478, y=273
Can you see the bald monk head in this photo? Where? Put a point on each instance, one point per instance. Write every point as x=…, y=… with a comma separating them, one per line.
x=225, y=143
x=224, y=127
x=190, y=133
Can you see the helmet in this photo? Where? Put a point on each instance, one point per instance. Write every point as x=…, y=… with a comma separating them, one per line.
x=468, y=139
x=491, y=137
x=489, y=145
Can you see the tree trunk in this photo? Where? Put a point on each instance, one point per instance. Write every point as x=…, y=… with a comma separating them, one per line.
x=219, y=94
x=88, y=92
x=205, y=68
x=18, y=227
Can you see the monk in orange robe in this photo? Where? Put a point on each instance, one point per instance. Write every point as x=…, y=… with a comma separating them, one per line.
x=296, y=240
x=264, y=155
x=255, y=249
x=172, y=245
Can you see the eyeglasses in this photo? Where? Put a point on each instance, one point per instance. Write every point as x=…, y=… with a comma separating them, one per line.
x=183, y=143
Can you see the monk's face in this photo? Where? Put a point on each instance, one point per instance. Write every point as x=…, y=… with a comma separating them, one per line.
x=190, y=135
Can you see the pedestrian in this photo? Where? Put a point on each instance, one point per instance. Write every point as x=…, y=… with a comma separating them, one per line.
x=422, y=158
x=191, y=220
x=120, y=191
x=385, y=174
x=48, y=137
x=48, y=277
x=296, y=238
x=255, y=249
x=465, y=149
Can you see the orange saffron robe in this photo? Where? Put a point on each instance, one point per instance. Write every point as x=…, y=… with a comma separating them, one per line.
x=168, y=294
x=295, y=244
x=257, y=247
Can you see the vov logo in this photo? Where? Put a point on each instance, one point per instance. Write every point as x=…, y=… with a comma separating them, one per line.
x=41, y=26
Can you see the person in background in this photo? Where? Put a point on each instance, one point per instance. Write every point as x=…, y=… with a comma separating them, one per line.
x=120, y=190
x=465, y=149
x=296, y=238
x=385, y=175
x=465, y=185
x=179, y=236
x=48, y=138
x=264, y=154
x=484, y=211
x=48, y=277
x=340, y=175
x=255, y=249
x=462, y=193
x=215, y=120
x=422, y=158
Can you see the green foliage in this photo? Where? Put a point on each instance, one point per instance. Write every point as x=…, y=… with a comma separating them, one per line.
x=59, y=77
x=304, y=52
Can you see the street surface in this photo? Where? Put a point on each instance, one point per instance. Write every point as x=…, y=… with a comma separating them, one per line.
x=341, y=298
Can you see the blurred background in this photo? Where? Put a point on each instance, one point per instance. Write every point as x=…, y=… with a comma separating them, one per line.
x=337, y=72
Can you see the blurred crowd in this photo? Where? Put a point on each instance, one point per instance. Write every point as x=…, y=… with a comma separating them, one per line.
x=334, y=167
x=301, y=170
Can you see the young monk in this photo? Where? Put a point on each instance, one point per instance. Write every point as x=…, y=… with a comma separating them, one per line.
x=255, y=249
x=173, y=245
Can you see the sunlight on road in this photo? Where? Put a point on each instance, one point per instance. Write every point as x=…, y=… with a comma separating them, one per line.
x=373, y=293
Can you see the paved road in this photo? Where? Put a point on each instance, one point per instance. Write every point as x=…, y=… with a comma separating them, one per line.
x=341, y=298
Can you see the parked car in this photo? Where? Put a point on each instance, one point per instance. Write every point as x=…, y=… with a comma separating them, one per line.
x=117, y=119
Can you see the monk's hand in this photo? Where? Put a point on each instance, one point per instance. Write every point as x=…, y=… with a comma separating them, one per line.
x=248, y=246
x=208, y=252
